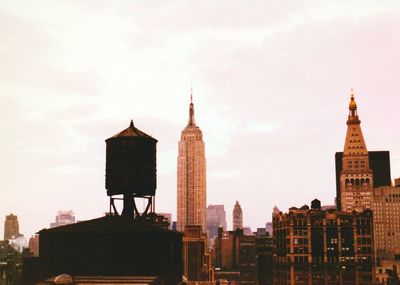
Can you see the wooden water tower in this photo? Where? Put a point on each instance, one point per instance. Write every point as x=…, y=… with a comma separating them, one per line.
x=131, y=170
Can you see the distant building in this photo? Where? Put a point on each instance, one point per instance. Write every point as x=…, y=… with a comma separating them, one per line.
x=328, y=207
x=191, y=176
x=247, y=231
x=216, y=218
x=63, y=218
x=330, y=246
x=237, y=217
x=235, y=256
x=34, y=245
x=386, y=208
x=268, y=228
x=11, y=227
x=196, y=259
x=261, y=232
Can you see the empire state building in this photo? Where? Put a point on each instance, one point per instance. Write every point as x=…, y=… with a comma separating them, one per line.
x=191, y=180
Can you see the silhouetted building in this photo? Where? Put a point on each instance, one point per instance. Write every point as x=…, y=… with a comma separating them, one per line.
x=330, y=246
x=386, y=209
x=264, y=251
x=10, y=264
x=237, y=217
x=167, y=218
x=191, y=176
x=63, y=218
x=216, y=218
x=109, y=246
x=196, y=259
x=11, y=227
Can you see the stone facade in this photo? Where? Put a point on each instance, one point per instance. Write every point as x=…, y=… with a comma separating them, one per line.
x=386, y=209
x=356, y=179
x=335, y=246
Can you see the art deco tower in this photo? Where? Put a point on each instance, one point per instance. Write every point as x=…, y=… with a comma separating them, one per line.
x=237, y=217
x=356, y=184
x=11, y=227
x=191, y=204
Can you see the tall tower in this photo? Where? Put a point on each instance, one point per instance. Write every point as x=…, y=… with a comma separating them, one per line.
x=237, y=217
x=11, y=227
x=356, y=182
x=191, y=179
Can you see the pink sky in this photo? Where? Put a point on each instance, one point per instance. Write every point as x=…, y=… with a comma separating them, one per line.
x=271, y=83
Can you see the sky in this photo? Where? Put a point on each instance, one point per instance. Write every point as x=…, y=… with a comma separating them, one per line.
x=271, y=85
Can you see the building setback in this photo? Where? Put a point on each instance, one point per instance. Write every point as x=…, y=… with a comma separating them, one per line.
x=191, y=176
x=329, y=245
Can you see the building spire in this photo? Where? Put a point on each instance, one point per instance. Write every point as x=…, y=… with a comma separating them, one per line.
x=191, y=122
x=353, y=116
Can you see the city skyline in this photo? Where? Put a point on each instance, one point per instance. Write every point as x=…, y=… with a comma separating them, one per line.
x=271, y=85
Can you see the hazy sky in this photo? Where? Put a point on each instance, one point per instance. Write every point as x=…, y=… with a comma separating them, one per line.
x=271, y=85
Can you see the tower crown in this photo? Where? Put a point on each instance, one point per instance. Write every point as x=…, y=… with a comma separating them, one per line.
x=191, y=122
x=353, y=104
x=353, y=116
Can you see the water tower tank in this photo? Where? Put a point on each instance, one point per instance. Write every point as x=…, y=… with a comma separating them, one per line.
x=131, y=163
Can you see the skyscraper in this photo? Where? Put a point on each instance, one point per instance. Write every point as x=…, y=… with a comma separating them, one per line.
x=237, y=217
x=216, y=218
x=356, y=179
x=63, y=218
x=11, y=227
x=191, y=178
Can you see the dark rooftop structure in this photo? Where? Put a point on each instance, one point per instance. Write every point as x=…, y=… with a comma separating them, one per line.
x=109, y=246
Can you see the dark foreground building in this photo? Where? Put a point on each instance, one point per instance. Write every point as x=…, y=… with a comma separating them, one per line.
x=313, y=246
x=108, y=246
x=124, y=248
